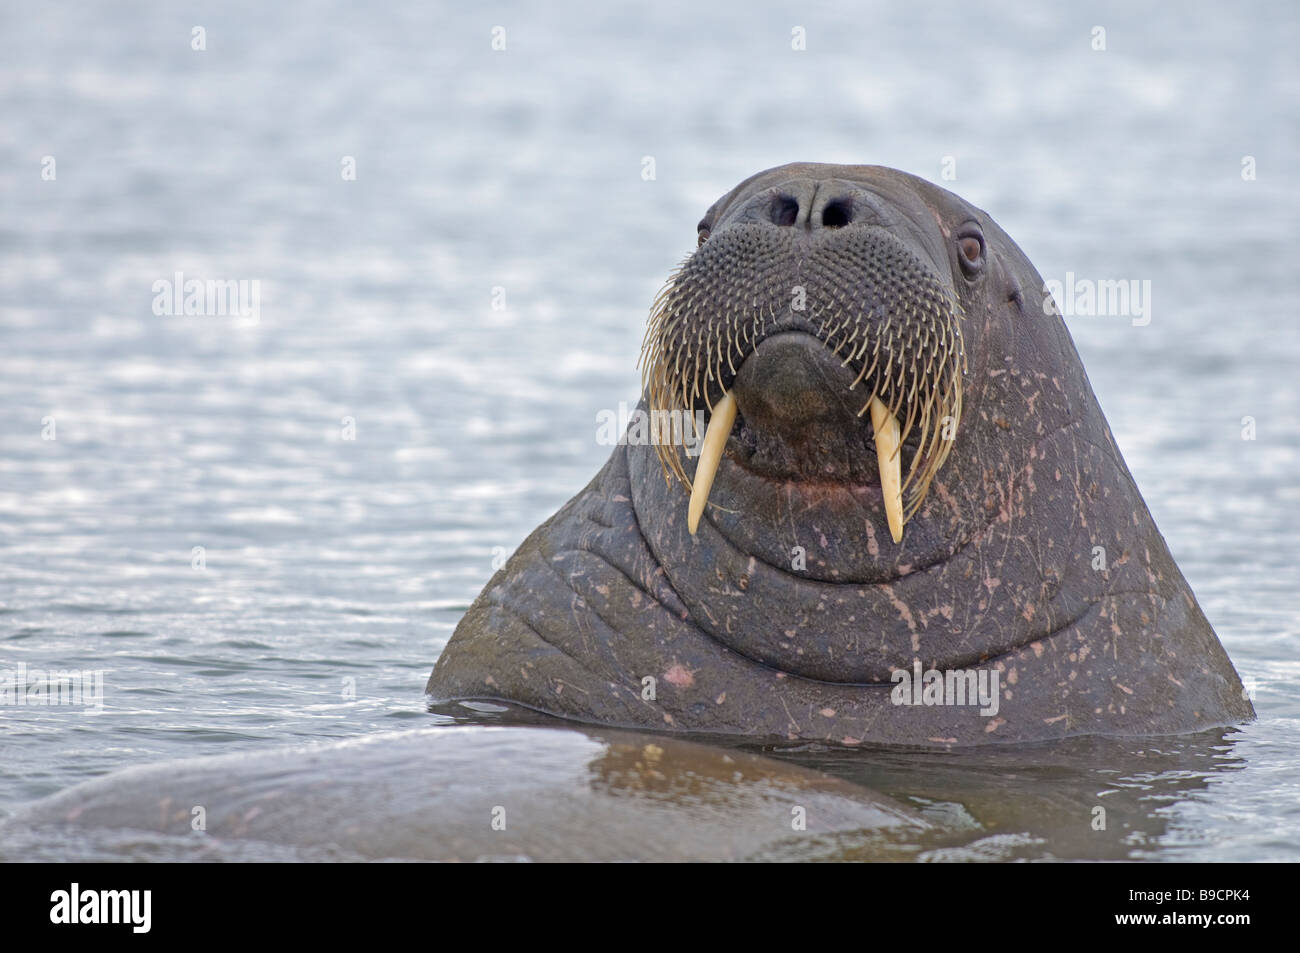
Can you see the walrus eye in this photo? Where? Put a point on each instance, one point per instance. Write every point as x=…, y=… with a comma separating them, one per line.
x=704, y=236
x=970, y=253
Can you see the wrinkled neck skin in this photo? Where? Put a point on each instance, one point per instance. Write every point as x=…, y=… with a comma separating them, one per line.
x=1032, y=561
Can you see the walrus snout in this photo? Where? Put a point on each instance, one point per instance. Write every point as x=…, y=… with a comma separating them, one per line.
x=867, y=309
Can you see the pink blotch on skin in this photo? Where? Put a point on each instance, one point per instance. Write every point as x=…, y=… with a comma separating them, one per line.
x=680, y=676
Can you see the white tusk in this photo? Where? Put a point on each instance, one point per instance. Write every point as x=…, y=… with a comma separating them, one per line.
x=715, y=439
x=890, y=462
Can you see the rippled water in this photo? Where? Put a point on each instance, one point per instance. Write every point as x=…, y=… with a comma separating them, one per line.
x=334, y=569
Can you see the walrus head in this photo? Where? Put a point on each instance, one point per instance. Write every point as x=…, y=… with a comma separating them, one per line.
x=809, y=303
x=904, y=468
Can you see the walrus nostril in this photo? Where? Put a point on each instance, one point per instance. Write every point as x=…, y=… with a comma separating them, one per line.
x=785, y=210
x=837, y=214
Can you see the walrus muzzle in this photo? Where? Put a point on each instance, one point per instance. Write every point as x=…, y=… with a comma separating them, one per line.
x=872, y=305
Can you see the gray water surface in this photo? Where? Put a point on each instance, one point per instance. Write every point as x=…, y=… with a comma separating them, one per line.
x=337, y=557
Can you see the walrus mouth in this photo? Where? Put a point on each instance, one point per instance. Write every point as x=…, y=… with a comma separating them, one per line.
x=874, y=304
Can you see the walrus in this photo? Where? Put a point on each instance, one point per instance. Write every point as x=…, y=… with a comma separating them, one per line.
x=896, y=485
x=907, y=522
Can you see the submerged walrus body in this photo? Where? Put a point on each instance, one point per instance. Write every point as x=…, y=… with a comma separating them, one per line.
x=909, y=522
x=464, y=794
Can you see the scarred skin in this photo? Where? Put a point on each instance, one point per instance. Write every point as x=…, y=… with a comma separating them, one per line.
x=789, y=612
